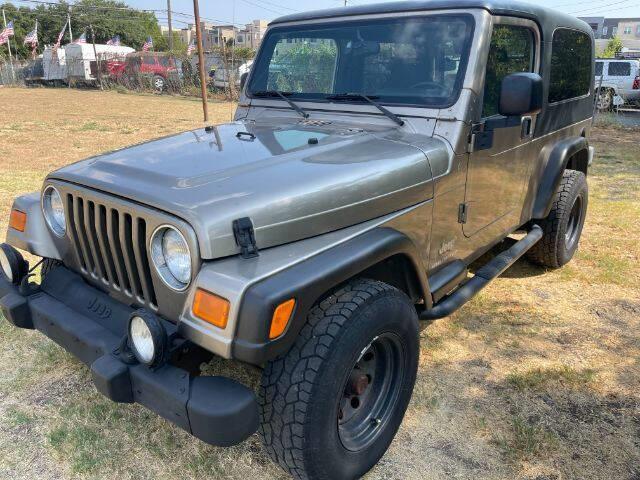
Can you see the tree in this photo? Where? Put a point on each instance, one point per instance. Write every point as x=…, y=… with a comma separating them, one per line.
x=613, y=48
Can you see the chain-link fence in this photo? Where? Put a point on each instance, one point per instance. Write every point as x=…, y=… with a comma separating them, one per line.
x=617, y=93
x=157, y=72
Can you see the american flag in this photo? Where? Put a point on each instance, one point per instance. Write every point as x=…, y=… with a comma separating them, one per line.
x=32, y=37
x=6, y=33
x=82, y=39
x=192, y=47
x=57, y=45
x=148, y=45
x=115, y=41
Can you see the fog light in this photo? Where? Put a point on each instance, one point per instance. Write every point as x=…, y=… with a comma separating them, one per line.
x=14, y=266
x=147, y=338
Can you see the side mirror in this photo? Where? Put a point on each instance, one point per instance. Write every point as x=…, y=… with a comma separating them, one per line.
x=520, y=94
x=243, y=80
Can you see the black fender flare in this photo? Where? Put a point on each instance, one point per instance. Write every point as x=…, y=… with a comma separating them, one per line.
x=310, y=280
x=556, y=164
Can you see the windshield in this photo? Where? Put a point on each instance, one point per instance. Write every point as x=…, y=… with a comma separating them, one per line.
x=407, y=61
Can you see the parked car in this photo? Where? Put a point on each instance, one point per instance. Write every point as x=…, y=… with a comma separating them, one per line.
x=157, y=69
x=318, y=233
x=619, y=77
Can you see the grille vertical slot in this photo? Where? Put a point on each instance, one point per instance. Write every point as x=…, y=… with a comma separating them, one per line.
x=111, y=247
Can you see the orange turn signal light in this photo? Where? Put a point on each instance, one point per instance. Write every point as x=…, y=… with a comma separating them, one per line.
x=211, y=308
x=281, y=317
x=18, y=220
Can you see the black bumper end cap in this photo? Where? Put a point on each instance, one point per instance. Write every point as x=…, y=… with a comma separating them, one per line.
x=111, y=378
x=222, y=411
x=15, y=309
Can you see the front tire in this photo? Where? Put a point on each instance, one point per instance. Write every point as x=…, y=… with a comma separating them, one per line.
x=563, y=226
x=331, y=406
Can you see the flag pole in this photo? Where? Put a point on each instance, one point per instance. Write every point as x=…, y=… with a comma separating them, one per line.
x=13, y=74
x=203, y=83
x=69, y=20
x=34, y=46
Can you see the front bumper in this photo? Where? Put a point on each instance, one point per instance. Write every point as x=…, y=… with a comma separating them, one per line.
x=91, y=325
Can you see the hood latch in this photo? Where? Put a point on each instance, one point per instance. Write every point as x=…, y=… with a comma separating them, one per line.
x=245, y=237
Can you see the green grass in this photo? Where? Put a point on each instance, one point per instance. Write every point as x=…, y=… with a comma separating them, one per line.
x=89, y=126
x=17, y=417
x=526, y=440
x=539, y=378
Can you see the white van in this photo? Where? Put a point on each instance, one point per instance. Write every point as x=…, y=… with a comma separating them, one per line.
x=619, y=77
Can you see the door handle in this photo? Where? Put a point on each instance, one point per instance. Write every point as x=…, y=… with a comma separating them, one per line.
x=526, y=124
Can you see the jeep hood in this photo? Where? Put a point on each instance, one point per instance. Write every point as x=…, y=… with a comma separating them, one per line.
x=293, y=179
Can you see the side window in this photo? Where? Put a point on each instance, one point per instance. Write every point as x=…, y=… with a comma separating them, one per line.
x=599, y=68
x=512, y=50
x=619, y=69
x=570, y=65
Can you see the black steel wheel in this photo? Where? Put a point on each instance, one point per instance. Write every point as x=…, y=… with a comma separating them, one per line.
x=344, y=386
x=370, y=392
x=563, y=226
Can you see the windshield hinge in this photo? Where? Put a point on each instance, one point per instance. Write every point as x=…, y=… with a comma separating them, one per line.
x=462, y=213
x=245, y=237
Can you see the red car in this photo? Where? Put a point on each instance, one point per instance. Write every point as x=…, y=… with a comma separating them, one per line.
x=160, y=68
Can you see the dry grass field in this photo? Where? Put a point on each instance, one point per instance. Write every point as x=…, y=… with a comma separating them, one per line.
x=537, y=378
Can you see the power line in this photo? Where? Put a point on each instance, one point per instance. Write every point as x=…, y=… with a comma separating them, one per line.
x=601, y=7
x=280, y=12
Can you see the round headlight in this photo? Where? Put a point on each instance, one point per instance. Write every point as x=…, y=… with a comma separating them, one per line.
x=147, y=337
x=171, y=257
x=53, y=210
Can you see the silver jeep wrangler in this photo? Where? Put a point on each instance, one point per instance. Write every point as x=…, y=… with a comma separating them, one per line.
x=377, y=151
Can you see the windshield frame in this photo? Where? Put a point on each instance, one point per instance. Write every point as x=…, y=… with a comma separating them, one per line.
x=429, y=103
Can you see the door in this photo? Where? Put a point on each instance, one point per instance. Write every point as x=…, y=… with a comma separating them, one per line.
x=496, y=170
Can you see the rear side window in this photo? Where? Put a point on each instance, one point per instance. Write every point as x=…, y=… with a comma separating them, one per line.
x=570, y=65
x=599, y=68
x=511, y=51
x=619, y=69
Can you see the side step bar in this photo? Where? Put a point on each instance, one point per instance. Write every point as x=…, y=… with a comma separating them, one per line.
x=483, y=277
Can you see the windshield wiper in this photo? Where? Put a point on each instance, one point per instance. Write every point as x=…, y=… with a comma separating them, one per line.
x=282, y=95
x=360, y=96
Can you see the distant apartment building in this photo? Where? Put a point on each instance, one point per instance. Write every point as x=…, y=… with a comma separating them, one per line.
x=252, y=33
x=220, y=35
x=606, y=28
x=214, y=35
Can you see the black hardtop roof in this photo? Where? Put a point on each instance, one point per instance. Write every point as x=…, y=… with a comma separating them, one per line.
x=546, y=17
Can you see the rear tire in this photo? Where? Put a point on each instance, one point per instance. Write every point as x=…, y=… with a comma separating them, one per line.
x=331, y=406
x=563, y=226
x=605, y=100
x=159, y=83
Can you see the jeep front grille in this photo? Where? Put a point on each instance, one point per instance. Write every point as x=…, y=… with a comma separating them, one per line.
x=111, y=247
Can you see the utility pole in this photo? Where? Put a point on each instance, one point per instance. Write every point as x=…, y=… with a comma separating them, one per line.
x=169, y=22
x=203, y=82
x=13, y=74
x=95, y=55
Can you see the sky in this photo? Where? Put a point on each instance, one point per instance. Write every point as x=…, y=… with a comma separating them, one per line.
x=243, y=11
